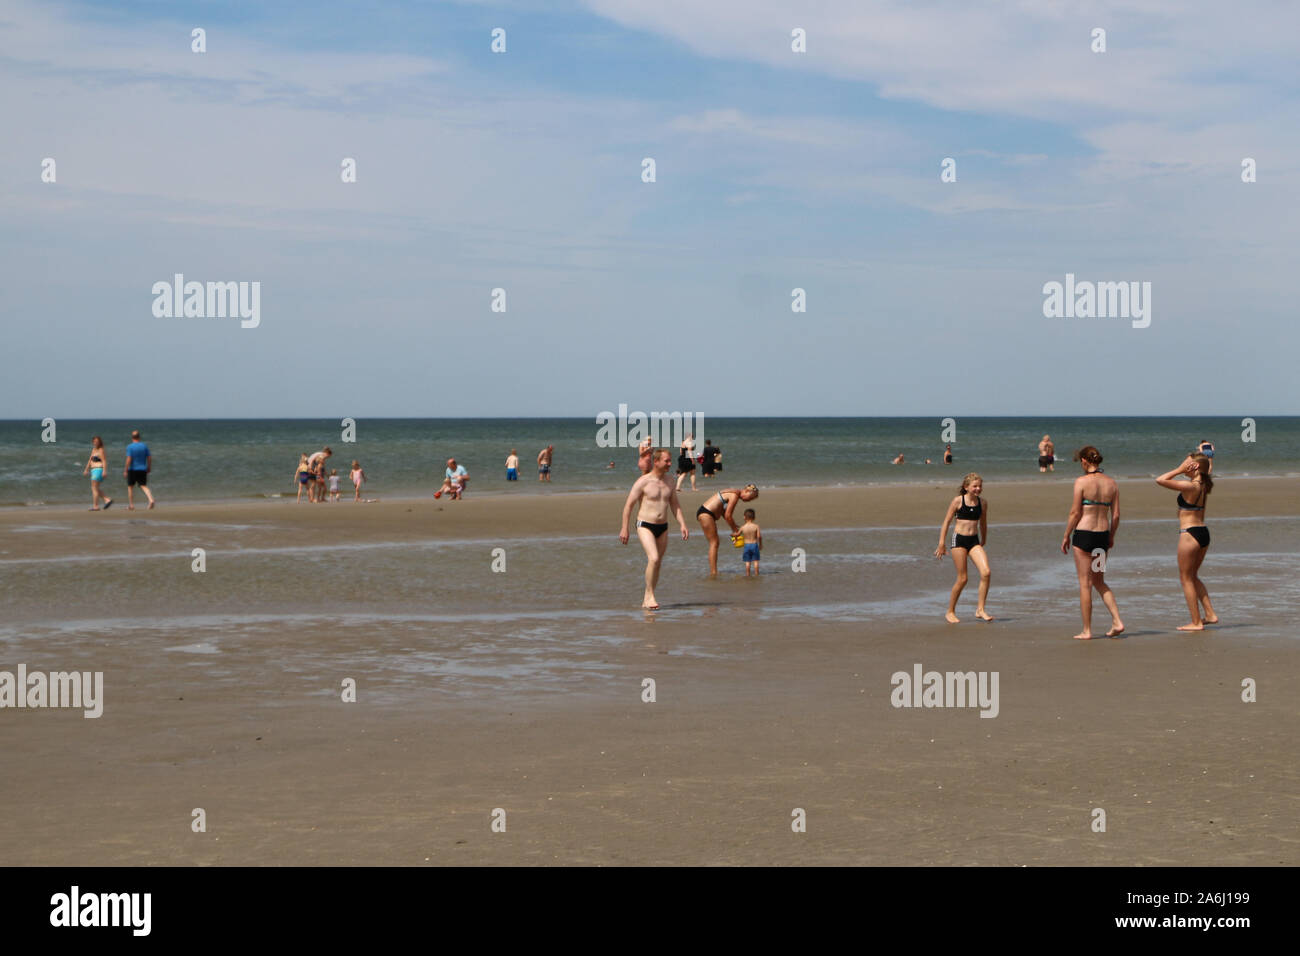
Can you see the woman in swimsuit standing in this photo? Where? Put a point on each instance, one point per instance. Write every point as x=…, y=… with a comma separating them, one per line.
x=1193, y=535
x=686, y=462
x=972, y=532
x=717, y=508
x=95, y=467
x=1094, y=519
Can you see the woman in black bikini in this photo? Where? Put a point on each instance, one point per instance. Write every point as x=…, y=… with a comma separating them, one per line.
x=1193, y=535
x=719, y=508
x=96, y=467
x=1094, y=519
x=972, y=531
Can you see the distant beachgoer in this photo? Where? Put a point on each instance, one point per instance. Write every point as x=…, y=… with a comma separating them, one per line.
x=454, y=480
x=512, y=466
x=610, y=467
x=686, y=462
x=898, y=460
x=358, y=479
x=317, y=462
x=544, y=463
x=95, y=468
x=753, y=538
x=1091, y=528
x=1206, y=448
x=139, y=462
x=303, y=476
x=971, y=534
x=717, y=457
x=1193, y=535
x=929, y=462
x=334, y=485
x=1046, y=454
x=657, y=498
x=709, y=464
x=643, y=456
x=947, y=454
x=717, y=508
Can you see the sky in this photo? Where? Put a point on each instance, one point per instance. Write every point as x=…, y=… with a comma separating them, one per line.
x=775, y=170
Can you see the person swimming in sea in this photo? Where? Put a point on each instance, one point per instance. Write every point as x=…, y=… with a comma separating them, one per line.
x=1193, y=535
x=970, y=535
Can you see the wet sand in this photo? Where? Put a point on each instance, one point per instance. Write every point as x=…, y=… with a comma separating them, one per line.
x=755, y=716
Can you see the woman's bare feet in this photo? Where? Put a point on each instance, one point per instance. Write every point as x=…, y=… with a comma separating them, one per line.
x=1192, y=627
x=1083, y=636
x=982, y=614
x=951, y=618
x=1116, y=630
x=1211, y=620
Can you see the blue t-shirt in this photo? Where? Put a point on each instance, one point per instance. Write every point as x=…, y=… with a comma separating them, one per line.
x=138, y=452
x=460, y=470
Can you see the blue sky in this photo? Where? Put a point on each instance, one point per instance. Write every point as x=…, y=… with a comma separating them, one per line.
x=521, y=170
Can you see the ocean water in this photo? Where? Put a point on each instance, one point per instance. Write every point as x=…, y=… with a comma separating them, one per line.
x=207, y=460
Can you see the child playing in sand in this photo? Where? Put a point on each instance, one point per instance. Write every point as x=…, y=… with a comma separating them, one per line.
x=334, y=484
x=358, y=478
x=753, y=537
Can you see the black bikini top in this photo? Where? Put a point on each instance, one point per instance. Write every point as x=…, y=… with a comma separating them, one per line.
x=970, y=512
x=1184, y=505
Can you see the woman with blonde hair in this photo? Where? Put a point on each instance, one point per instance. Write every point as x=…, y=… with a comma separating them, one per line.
x=970, y=534
x=1091, y=528
x=1193, y=535
x=717, y=508
x=95, y=468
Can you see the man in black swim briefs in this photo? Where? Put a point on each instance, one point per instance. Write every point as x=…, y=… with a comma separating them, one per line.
x=657, y=497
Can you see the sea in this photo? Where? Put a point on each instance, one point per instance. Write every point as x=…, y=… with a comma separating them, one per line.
x=221, y=459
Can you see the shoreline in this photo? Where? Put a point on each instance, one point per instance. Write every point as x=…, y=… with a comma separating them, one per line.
x=1231, y=497
x=491, y=489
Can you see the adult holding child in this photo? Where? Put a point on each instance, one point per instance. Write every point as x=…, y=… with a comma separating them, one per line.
x=316, y=462
x=1090, y=530
x=657, y=497
x=969, y=537
x=717, y=508
x=1193, y=535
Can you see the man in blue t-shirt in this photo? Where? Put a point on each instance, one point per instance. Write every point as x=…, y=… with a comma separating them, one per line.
x=454, y=481
x=136, y=470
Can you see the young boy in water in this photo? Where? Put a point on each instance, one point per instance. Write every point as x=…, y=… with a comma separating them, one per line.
x=753, y=537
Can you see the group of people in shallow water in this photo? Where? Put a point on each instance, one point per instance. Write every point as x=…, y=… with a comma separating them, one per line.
x=135, y=471
x=658, y=500
x=1090, y=534
x=314, y=480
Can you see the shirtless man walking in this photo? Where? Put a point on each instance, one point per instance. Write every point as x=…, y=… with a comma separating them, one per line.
x=657, y=497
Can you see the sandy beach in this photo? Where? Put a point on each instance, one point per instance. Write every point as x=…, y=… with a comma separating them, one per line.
x=523, y=689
